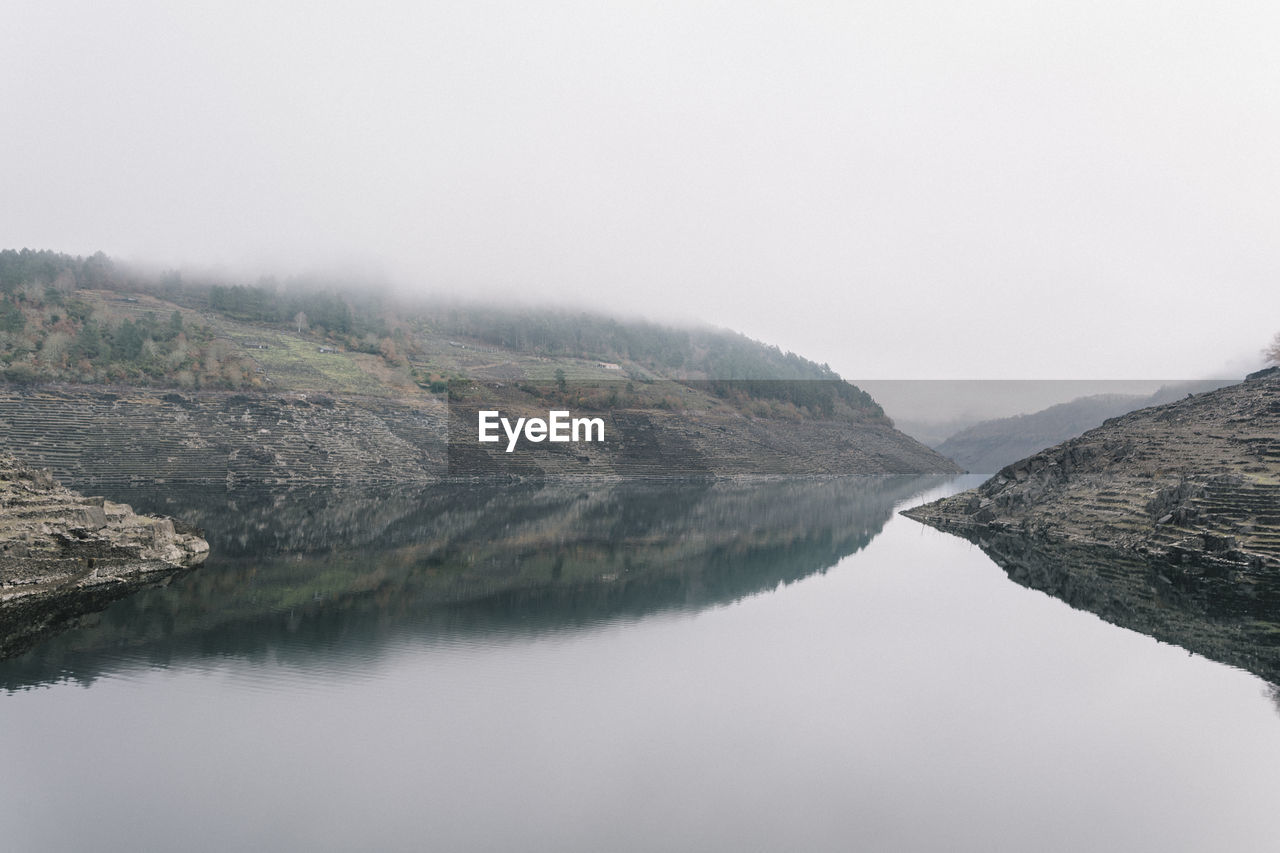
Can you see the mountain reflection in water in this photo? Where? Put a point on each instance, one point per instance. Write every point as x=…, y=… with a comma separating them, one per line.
x=621, y=667
x=316, y=576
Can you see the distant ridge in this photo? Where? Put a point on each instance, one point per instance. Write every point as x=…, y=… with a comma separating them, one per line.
x=988, y=446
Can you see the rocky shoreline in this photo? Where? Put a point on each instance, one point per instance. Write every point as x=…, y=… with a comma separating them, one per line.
x=63, y=554
x=1196, y=481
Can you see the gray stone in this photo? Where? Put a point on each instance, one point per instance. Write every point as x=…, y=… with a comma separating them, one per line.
x=87, y=517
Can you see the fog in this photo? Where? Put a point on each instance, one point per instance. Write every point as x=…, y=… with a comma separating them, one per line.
x=903, y=190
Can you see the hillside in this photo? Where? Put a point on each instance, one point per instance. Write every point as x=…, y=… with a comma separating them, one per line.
x=77, y=320
x=988, y=446
x=1200, y=476
x=116, y=373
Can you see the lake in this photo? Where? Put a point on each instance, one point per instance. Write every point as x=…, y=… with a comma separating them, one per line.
x=696, y=666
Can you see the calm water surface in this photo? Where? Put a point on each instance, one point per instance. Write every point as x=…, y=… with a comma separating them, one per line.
x=780, y=666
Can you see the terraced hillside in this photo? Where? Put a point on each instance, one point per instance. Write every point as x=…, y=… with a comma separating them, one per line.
x=990, y=445
x=657, y=443
x=1198, y=479
x=110, y=374
x=90, y=435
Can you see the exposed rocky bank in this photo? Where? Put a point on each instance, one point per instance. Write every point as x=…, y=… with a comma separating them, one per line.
x=95, y=436
x=63, y=554
x=1196, y=481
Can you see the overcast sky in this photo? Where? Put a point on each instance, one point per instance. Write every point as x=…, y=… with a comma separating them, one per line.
x=946, y=190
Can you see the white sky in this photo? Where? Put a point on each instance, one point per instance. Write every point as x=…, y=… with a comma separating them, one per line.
x=945, y=190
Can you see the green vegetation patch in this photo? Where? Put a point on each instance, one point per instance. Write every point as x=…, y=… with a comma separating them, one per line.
x=295, y=363
x=94, y=320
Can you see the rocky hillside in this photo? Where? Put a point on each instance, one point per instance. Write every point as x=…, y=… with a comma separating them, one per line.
x=95, y=437
x=109, y=374
x=988, y=446
x=1199, y=478
x=63, y=554
x=1165, y=520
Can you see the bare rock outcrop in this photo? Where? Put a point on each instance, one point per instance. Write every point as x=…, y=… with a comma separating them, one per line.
x=63, y=554
x=1196, y=482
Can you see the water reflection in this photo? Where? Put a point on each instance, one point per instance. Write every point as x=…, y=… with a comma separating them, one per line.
x=1232, y=618
x=334, y=576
